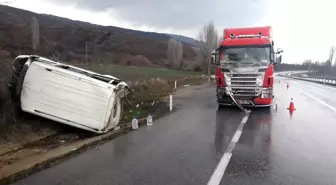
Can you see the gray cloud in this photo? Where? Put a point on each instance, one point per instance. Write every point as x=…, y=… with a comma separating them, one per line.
x=179, y=14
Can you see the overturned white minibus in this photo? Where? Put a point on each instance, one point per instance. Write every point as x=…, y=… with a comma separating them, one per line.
x=67, y=94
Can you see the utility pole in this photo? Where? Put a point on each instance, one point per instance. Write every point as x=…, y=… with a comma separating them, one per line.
x=86, y=52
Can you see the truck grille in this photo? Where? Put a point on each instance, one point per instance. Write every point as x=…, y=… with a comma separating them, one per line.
x=244, y=85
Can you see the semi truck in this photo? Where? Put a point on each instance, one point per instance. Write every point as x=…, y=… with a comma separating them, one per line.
x=244, y=64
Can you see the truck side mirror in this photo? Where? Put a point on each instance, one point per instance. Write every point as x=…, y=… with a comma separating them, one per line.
x=215, y=57
x=272, y=57
x=279, y=50
x=279, y=59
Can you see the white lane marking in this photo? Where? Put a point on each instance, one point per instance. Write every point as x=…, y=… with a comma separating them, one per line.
x=317, y=99
x=236, y=136
x=244, y=120
x=219, y=172
x=217, y=175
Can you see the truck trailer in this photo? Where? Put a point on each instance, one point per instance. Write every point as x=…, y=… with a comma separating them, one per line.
x=244, y=64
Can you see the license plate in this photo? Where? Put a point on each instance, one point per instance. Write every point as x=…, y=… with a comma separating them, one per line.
x=243, y=102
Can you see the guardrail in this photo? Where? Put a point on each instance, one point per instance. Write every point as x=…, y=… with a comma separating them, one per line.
x=312, y=79
x=292, y=72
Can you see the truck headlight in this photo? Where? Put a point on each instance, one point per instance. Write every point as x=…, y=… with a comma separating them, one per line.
x=266, y=93
x=227, y=79
x=259, y=80
x=221, y=90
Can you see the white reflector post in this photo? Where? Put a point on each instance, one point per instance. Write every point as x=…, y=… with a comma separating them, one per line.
x=170, y=102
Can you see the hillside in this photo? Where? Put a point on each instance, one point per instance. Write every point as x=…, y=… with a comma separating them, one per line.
x=106, y=44
x=184, y=39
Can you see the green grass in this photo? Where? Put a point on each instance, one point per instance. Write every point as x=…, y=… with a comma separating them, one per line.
x=147, y=90
x=130, y=73
x=144, y=95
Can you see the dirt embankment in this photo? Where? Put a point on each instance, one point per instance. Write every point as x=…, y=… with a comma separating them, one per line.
x=4, y=95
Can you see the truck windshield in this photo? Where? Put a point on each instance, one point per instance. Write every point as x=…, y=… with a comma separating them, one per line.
x=256, y=56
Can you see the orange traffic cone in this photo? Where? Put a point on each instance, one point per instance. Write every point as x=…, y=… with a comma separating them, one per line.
x=291, y=114
x=291, y=106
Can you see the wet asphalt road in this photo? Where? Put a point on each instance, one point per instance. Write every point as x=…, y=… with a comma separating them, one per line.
x=275, y=147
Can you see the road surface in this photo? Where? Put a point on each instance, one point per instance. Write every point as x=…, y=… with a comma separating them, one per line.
x=199, y=144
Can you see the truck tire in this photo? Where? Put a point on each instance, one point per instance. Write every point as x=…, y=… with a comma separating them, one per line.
x=266, y=109
x=19, y=70
x=220, y=106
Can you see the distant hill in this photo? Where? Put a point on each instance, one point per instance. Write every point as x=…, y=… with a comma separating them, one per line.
x=106, y=44
x=184, y=39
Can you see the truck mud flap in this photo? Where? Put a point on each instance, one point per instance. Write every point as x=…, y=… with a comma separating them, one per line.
x=238, y=104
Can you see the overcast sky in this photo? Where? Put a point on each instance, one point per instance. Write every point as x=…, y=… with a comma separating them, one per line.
x=303, y=28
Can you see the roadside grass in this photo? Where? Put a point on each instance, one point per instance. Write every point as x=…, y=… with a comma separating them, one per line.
x=147, y=96
x=132, y=73
x=149, y=86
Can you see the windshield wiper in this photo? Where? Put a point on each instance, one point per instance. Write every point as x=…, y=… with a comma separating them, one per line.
x=229, y=63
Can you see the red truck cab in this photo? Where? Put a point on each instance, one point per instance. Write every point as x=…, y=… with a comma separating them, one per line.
x=244, y=67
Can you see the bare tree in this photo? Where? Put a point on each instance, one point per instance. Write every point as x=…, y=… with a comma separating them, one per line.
x=179, y=50
x=208, y=38
x=309, y=63
x=171, y=52
x=197, y=65
x=175, y=53
x=220, y=40
x=35, y=34
x=332, y=54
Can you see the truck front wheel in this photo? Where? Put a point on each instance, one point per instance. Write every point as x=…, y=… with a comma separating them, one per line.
x=220, y=106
